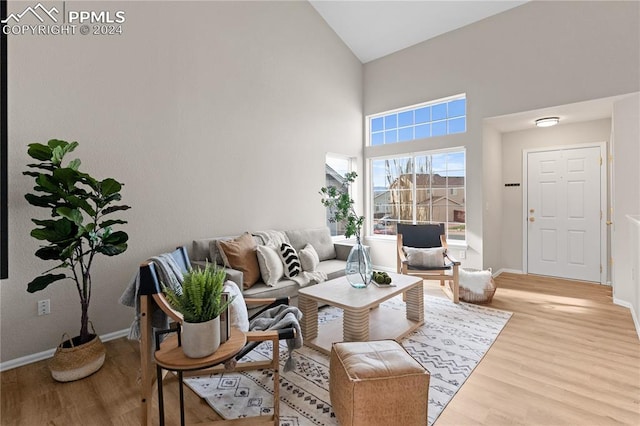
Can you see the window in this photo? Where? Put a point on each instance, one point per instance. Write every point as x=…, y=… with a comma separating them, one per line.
x=419, y=188
x=435, y=118
x=336, y=167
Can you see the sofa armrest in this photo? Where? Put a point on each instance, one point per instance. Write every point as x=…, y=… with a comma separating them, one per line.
x=232, y=274
x=235, y=276
x=343, y=250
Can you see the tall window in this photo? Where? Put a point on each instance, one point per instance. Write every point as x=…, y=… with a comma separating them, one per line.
x=429, y=119
x=336, y=167
x=419, y=188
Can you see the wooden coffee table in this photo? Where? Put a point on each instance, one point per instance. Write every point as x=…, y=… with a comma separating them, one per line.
x=364, y=319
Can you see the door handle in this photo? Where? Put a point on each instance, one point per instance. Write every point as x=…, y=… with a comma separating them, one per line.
x=532, y=219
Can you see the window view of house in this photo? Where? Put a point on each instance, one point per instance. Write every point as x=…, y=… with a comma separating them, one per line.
x=421, y=188
x=336, y=167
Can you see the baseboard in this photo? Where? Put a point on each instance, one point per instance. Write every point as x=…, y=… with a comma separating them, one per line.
x=510, y=271
x=29, y=359
x=629, y=306
x=383, y=268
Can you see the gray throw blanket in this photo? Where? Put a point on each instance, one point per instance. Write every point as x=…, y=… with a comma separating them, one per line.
x=169, y=274
x=278, y=318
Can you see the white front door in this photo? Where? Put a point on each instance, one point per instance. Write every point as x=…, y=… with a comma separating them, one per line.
x=563, y=220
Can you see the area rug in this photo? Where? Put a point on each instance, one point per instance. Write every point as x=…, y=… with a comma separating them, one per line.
x=449, y=345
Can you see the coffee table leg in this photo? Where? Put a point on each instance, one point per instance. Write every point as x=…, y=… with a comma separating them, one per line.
x=415, y=303
x=309, y=324
x=355, y=326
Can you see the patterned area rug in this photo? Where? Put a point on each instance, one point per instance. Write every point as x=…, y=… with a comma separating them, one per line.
x=449, y=345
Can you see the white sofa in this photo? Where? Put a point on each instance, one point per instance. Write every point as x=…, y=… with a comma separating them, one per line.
x=332, y=258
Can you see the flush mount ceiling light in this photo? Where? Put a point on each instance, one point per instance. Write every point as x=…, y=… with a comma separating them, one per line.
x=547, y=121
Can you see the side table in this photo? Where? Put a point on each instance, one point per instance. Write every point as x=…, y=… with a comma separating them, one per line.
x=170, y=356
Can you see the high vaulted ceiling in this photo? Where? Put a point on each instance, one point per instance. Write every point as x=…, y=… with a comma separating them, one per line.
x=373, y=29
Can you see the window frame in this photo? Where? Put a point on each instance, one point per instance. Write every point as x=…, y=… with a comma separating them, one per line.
x=371, y=221
x=351, y=168
x=412, y=108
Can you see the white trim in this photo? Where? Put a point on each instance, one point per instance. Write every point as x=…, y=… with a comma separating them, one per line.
x=29, y=359
x=510, y=271
x=603, y=202
x=628, y=305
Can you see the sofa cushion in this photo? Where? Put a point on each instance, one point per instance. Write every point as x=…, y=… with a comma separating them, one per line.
x=290, y=260
x=240, y=254
x=283, y=288
x=334, y=268
x=271, y=268
x=308, y=258
x=319, y=238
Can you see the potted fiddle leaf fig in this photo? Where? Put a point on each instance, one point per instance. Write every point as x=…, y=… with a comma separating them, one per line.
x=79, y=229
x=199, y=300
x=340, y=204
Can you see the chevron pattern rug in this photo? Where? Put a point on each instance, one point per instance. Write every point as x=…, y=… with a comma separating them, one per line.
x=449, y=345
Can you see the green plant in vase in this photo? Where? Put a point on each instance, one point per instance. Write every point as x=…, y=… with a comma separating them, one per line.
x=199, y=300
x=340, y=204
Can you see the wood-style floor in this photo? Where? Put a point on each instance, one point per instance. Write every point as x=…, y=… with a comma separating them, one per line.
x=568, y=356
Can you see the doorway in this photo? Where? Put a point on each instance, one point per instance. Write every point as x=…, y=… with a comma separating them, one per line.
x=563, y=201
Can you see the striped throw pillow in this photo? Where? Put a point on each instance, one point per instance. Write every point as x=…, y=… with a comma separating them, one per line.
x=290, y=260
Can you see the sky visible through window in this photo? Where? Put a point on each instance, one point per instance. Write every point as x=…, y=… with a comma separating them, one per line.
x=436, y=118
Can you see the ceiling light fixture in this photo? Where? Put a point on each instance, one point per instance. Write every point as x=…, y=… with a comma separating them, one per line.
x=547, y=121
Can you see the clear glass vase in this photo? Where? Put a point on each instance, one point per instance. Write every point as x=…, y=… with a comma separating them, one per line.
x=359, y=269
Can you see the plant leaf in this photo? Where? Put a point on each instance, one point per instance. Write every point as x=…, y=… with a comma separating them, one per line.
x=115, y=209
x=109, y=186
x=74, y=215
x=40, y=152
x=43, y=281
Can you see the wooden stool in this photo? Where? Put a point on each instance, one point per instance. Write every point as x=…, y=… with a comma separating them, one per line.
x=377, y=384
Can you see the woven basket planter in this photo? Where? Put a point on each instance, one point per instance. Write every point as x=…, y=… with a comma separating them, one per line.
x=73, y=362
x=467, y=295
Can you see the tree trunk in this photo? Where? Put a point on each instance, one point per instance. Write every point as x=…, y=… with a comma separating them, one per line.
x=84, y=322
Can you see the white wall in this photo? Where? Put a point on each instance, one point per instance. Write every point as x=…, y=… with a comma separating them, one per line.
x=626, y=197
x=513, y=145
x=216, y=116
x=537, y=55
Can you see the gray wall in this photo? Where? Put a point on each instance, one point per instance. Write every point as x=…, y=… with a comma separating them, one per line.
x=216, y=116
x=625, y=199
x=537, y=55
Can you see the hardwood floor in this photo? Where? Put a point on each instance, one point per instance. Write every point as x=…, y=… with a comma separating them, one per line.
x=568, y=356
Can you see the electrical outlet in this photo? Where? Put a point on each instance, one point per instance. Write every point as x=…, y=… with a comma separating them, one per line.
x=462, y=255
x=44, y=307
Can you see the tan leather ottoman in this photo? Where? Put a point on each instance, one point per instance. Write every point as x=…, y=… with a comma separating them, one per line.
x=377, y=383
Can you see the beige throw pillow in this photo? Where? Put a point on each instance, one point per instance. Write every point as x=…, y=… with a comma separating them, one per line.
x=271, y=268
x=240, y=254
x=309, y=259
x=425, y=257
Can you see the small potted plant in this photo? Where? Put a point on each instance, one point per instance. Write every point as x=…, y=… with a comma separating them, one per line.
x=359, y=269
x=199, y=300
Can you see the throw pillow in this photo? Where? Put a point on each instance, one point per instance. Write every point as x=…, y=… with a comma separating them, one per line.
x=240, y=254
x=425, y=257
x=474, y=280
x=238, y=315
x=271, y=267
x=290, y=260
x=309, y=259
